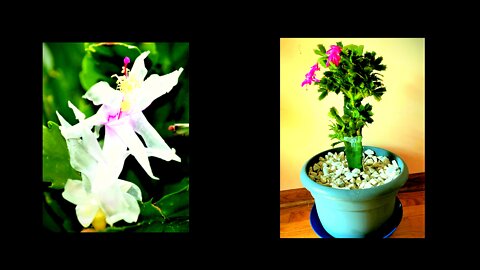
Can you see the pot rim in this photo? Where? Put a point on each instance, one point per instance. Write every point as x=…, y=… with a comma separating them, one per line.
x=356, y=194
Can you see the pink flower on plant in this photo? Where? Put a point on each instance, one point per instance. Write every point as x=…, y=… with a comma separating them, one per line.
x=310, y=76
x=334, y=55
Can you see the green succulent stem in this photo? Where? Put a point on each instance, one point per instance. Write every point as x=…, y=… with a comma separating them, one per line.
x=353, y=152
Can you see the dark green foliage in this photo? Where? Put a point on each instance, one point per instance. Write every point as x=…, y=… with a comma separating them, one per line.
x=56, y=160
x=356, y=77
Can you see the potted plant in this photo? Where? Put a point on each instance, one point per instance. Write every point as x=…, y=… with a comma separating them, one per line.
x=354, y=186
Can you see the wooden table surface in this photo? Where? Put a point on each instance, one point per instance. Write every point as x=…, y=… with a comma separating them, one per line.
x=296, y=205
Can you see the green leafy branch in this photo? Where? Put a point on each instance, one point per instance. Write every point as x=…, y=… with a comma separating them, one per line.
x=357, y=77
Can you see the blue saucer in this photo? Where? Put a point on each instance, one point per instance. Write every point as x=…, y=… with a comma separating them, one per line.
x=383, y=232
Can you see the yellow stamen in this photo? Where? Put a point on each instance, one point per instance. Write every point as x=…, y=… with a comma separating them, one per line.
x=125, y=106
x=126, y=85
x=100, y=220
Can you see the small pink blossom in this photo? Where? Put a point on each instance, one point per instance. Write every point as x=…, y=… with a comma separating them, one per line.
x=310, y=76
x=334, y=55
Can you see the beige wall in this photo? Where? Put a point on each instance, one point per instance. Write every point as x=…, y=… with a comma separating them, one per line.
x=399, y=118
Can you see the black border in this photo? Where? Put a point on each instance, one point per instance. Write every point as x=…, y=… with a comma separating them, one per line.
x=235, y=136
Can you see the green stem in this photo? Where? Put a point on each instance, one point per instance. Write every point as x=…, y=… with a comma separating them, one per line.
x=353, y=151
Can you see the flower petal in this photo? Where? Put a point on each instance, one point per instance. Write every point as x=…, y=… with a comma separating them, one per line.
x=130, y=188
x=86, y=212
x=84, y=153
x=138, y=69
x=125, y=131
x=68, y=131
x=115, y=150
x=133, y=210
x=156, y=145
x=80, y=159
x=63, y=122
x=118, y=205
x=129, y=211
x=74, y=192
x=78, y=114
x=102, y=93
x=152, y=88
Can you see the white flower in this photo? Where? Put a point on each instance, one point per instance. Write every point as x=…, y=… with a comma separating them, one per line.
x=100, y=190
x=121, y=113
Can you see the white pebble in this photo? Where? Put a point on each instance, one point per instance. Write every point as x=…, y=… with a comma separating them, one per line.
x=332, y=171
x=391, y=170
x=394, y=163
x=358, y=182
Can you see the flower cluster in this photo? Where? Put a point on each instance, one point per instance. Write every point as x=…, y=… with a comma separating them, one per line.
x=100, y=197
x=333, y=57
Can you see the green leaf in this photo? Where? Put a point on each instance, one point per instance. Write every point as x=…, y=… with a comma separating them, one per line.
x=98, y=47
x=152, y=48
x=152, y=219
x=175, y=204
x=355, y=113
x=151, y=212
x=356, y=49
x=322, y=62
x=377, y=97
x=91, y=73
x=62, y=82
x=47, y=58
x=335, y=143
x=132, y=177
x=178, y=226
x=56, y=159
x=321, y=48
x=130, y=51
x=323, y=95
x=55, y=207
x=179, y=53
x=317, y=52
x=328, y=74
x=127, y=228
x=181, y=225
x=333, y=113
x=100, y=61
x=360, y=50
x=48, y=221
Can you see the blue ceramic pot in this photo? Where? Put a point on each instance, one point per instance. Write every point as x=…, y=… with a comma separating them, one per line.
x=354, y=213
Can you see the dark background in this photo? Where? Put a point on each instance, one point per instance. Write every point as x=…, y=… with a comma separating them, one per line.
x=235, y=135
